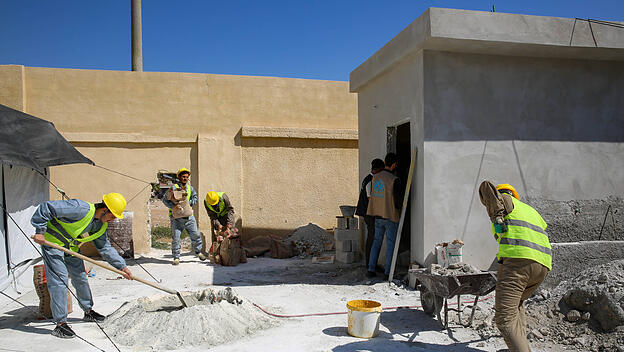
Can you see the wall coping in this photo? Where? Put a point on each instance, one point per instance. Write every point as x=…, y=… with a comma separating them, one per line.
x=86, y=137
x=305, y=133
x=494, y=33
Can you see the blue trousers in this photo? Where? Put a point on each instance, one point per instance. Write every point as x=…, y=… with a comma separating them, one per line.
x=389, y=228
x=57, y=267
x=177, y=226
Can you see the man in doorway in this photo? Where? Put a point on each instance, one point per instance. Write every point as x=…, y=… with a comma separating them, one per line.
x=362, y=206
x=188, y=222
x=385, y=205
x=63, y=222
x=524, y=258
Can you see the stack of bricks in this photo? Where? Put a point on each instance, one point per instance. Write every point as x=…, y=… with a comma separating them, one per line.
x=347, y=237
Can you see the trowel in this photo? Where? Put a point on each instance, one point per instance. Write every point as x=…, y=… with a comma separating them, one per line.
x=185, y=303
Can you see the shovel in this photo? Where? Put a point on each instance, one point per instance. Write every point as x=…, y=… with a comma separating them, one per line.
x=108, y=267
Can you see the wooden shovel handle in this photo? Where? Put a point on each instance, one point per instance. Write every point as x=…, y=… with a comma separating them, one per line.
x=107, y=267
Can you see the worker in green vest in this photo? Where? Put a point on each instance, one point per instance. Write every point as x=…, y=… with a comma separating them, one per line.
x=220, y=211
x=188, y=222
x=63, y=222
x=524, y=258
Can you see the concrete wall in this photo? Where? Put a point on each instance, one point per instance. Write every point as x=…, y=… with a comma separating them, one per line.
x=395, y=98
x=139, y=123
x=553, y=128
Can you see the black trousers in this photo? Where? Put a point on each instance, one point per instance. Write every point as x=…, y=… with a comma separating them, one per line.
x=370, y=235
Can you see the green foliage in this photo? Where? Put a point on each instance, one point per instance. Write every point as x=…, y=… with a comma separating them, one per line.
x=161, y=237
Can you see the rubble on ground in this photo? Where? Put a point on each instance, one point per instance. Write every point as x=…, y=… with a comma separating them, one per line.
x=310, y=240
x=585, y=313
x=453, y=269
x=161, y=323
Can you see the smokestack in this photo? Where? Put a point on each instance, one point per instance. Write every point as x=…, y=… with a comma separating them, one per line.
x=137, y=41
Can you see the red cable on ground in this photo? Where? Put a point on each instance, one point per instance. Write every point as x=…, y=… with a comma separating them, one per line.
x=337, y=313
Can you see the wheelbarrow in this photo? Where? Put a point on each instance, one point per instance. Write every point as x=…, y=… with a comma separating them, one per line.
x=436, y=290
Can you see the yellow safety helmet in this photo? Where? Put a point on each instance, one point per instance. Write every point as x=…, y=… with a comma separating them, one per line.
x=510, y=188
x=116, y=203
x=183, y=170
x=212, y=198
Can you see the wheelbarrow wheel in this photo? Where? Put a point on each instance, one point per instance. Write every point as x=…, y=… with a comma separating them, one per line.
x=431, y=303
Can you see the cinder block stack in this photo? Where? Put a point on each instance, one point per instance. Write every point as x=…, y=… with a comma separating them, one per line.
x=347, y=237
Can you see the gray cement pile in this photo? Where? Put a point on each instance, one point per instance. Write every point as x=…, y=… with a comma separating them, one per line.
x=585, y=313
x=161, y=323
x=311, y=239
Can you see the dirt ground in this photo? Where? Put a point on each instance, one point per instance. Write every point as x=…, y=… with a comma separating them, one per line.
x=281, y=286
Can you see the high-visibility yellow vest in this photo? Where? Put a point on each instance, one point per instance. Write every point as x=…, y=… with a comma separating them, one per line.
x=68, y=234
x=526, y=236
x=221, y=205
x=188, y=194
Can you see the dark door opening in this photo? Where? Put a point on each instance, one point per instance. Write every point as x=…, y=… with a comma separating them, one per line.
x=399, y=142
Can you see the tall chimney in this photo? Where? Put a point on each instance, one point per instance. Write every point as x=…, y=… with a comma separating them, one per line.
x=137, y=41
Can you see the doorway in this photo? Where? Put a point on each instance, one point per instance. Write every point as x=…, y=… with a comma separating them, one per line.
x=399, y=142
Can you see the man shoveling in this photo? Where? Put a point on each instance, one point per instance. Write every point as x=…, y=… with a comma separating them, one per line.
x=62, y=222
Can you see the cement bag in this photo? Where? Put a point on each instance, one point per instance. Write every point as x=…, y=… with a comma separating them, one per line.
x=454, y=252
x=441, y=254
x=281, y=249
x=182, y=208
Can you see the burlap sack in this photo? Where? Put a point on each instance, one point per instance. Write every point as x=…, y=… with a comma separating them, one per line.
x=182, y=208
x=281, y=249
x=258, y=245
x=41, y=287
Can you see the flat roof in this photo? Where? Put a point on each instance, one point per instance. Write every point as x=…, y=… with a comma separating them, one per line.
x=496, y=33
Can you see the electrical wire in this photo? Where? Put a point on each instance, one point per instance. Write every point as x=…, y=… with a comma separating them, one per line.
x=51, y=270
x=338, y=313
x=122, y=174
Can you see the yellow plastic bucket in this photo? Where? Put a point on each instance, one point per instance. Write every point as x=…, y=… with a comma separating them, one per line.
x=363, y=318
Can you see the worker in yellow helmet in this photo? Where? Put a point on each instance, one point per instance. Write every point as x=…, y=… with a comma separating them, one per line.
x=220, y=211
x=63, y=222
x=184, y=221
x=524, y=258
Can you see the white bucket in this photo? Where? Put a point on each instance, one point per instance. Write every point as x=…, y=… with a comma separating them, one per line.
x=363, y=318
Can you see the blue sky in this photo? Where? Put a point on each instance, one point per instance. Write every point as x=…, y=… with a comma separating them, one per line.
x=302, y=39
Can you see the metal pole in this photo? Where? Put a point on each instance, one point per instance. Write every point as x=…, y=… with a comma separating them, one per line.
x=137, y=36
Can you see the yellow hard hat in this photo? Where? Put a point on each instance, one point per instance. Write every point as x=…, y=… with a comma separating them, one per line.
x=509, y=188
x=183, y=170
x=212, y=198
x=116, y=203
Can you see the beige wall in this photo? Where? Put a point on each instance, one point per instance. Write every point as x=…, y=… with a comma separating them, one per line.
x=140, y=122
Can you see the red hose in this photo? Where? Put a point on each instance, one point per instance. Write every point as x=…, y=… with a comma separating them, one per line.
x=336, y=313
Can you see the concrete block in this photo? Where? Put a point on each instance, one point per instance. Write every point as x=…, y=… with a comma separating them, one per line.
x=341, y=234
x=344, y=245
x=352, y=223
x=342, y=223
x=345, y=257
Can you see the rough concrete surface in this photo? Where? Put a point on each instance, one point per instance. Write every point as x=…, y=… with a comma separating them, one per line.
x=569, y=259
x=582, y=220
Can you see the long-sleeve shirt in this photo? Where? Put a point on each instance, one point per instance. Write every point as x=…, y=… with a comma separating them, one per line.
x=71, y=211
x=192, y=201
x=229, y=215
x=497, y=204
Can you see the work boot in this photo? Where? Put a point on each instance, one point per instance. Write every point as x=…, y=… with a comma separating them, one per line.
x=93, y=316
x=201, y=256
x=63, y=331
x=176, y=261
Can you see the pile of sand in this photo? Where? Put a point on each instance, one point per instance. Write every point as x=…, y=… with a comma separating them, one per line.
x=311, y=239
x=160, y=322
